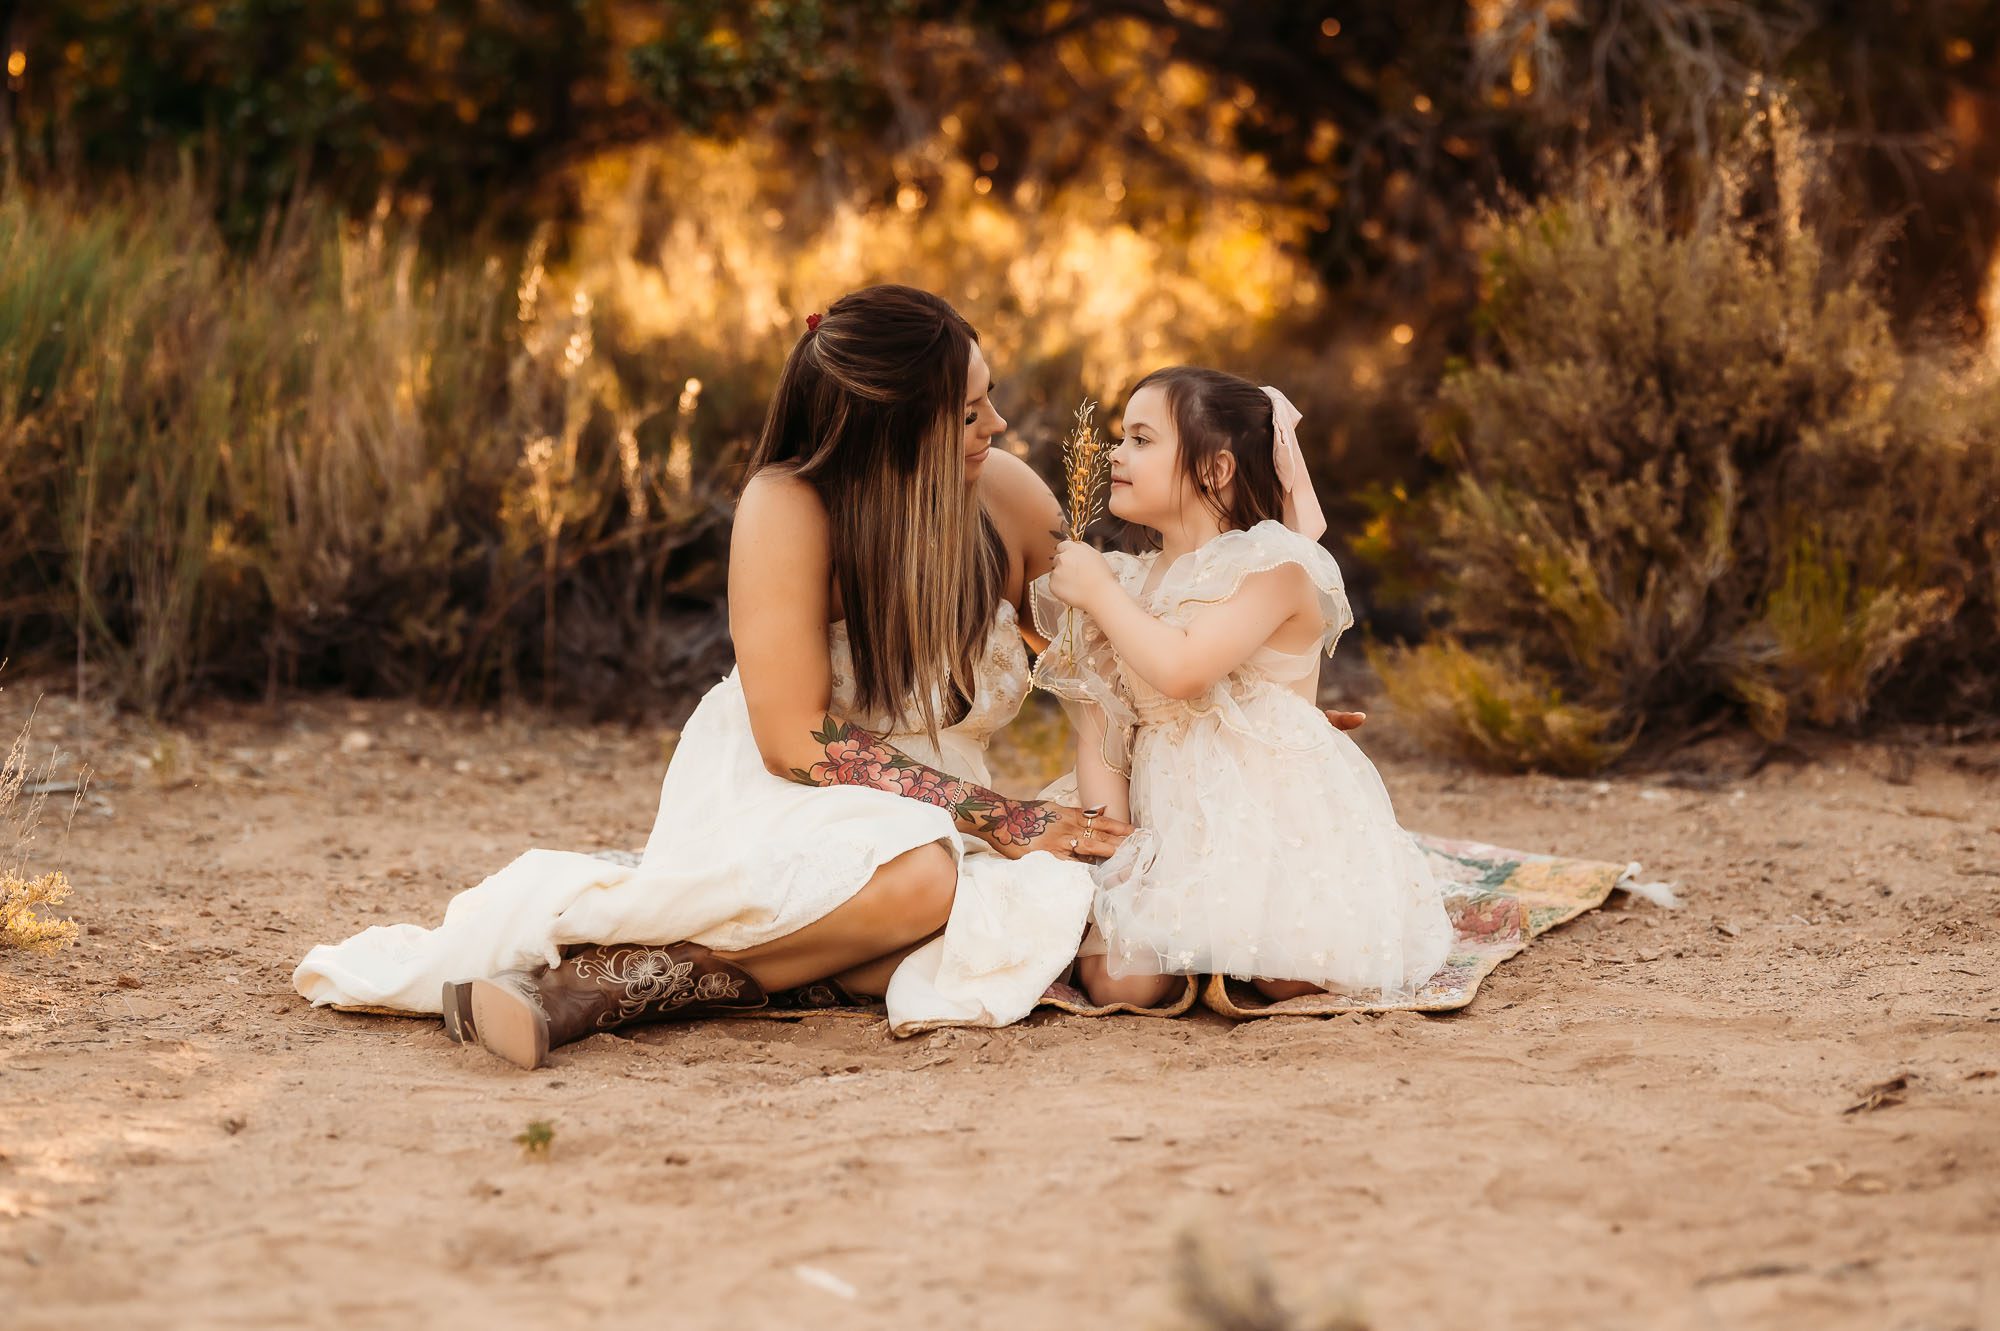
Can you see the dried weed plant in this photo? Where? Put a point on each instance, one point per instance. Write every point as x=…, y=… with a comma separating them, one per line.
x=1694, y=471
x=1228, y=1286
x=24, y=791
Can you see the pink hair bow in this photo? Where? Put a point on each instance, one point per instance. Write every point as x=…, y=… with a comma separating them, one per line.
x=1302, y=511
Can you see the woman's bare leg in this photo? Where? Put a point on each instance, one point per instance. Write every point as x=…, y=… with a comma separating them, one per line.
x=871, y=979
x=1139, y=990
x=907, y=901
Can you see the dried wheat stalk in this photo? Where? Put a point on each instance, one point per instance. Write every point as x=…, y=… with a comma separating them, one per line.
x=1086, y=472
x=1087, y=482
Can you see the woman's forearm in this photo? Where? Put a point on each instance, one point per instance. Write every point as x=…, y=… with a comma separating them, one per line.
x=844, y=754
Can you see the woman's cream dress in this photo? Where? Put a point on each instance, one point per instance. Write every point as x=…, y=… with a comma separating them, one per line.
x=739, y=857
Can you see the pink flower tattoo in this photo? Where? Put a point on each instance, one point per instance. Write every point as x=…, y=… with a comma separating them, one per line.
x=854, y=757
x=1017, y=823
x=859, y=761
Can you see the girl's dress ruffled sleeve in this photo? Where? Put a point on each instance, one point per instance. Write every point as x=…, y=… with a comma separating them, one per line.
x=1218, y=570
x=1080, y=668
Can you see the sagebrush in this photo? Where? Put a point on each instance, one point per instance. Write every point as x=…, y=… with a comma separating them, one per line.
x=1694, y=470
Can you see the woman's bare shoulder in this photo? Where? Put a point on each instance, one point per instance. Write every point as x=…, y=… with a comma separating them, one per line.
x=781, y=534
x=1018, y=498
x=776, y=502
x=781, y=489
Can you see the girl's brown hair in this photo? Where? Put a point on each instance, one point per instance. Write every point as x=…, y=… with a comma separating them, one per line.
x=1213, y=413
x=870, y=411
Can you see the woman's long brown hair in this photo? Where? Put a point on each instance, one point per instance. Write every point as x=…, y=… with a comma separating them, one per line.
x=870, y=411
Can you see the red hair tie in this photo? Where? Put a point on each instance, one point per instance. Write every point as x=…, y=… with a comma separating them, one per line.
x=812, y=322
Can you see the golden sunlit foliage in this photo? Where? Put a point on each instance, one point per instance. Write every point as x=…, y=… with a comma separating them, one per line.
x=1381, y=127
x=436, y=379
x=338, y=461
x=701, y=267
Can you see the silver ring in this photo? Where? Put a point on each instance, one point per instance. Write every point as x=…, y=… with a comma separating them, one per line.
x=1072, y=843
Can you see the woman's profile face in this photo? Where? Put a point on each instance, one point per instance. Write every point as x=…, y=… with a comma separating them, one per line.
x=983, y=422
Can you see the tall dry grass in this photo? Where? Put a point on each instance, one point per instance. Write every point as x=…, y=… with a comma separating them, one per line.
x=1694, y=470
x=339, y=461
x=330, y=462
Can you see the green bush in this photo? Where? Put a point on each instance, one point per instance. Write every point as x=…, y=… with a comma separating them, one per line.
x=1693, y=469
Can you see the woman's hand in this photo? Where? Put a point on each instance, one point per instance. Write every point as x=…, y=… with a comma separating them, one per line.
x=1021, y=827
x=1345, y=720
x=1081, y=574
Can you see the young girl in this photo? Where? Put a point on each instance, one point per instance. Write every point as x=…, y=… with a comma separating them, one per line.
x=1268, y=850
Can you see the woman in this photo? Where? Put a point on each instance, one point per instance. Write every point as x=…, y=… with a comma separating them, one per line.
x=827, y=813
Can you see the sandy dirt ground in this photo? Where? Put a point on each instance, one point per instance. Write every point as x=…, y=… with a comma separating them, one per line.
x=1640, y=1123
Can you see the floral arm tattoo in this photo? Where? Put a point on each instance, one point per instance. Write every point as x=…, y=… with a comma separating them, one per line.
x=856, y=757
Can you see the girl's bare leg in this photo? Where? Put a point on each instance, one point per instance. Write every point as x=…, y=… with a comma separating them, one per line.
x=1279, y=990
x=907, y=901
x=1139, y=990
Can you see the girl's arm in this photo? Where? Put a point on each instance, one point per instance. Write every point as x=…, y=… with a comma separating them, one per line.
x=780, y=569
x=1098, y=784
x=1180, y=662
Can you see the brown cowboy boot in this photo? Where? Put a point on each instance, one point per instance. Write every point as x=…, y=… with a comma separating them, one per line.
x=521, y=1015
x=818, y=996
x=456, y=1007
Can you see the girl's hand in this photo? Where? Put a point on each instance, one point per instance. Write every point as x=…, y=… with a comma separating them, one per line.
x=1345, y=720
x=1020, y=827
x=1081, y=575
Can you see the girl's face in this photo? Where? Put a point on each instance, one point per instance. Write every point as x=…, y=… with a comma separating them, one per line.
x=983, y=423
x=1145, y=467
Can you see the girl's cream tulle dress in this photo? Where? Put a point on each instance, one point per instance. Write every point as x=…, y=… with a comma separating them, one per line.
x=1270, y=849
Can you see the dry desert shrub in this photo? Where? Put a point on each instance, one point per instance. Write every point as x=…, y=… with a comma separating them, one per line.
x=20, y=926
x=1693, y=471
x=24, y=789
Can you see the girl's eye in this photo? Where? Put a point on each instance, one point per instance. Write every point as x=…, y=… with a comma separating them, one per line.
x=972, y=418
